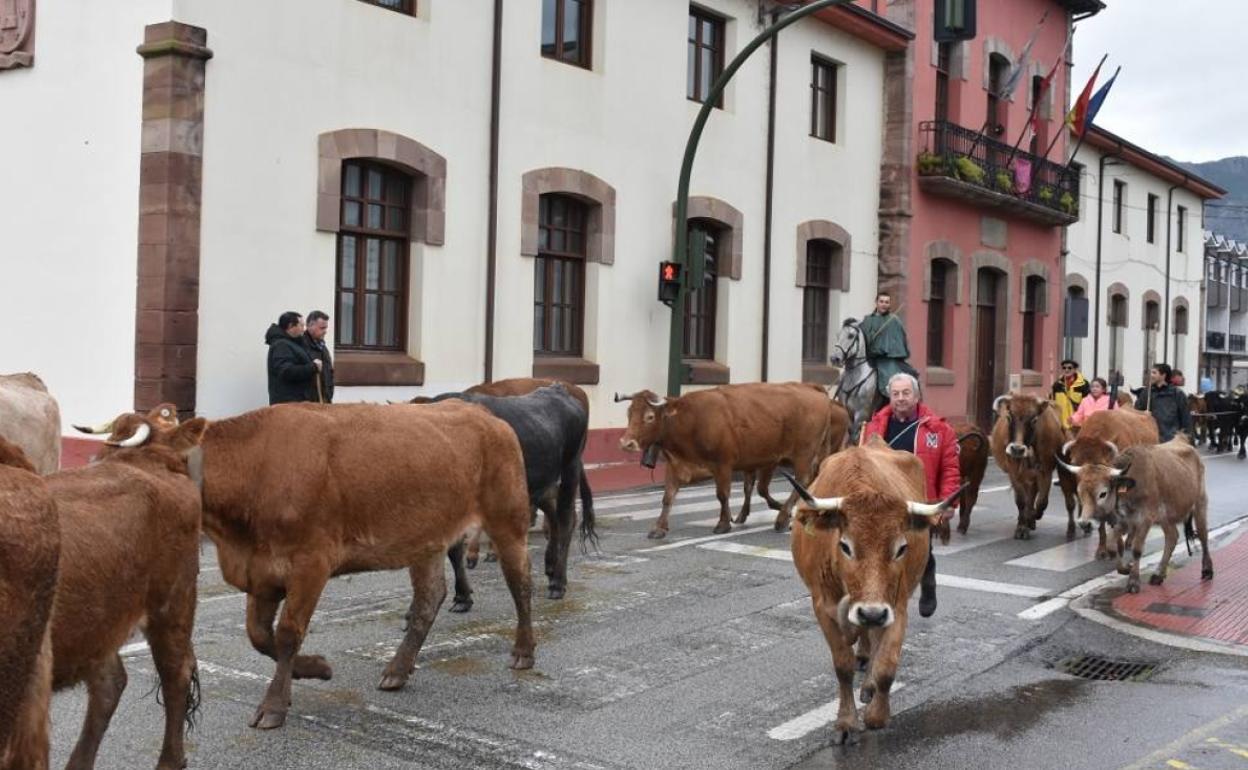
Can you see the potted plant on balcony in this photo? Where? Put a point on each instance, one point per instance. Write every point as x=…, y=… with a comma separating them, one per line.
x=1045, y=195
x=1004, y=182
x=1066, y=203
x=967, y=170
x=931, y=164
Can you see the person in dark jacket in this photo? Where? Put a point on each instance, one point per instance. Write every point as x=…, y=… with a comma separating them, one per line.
x=314, y=342
x=292, y=370
x=1167, y=404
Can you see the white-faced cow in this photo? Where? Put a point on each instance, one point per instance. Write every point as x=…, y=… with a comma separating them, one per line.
x=31, y=419
x=29, y=551
x=860, y=543
x=751, y=428
x=1025, y=440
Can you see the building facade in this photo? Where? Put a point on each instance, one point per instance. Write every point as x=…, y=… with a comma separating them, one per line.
x=1135, y=263
x=974, y=207
x=1223, y=349
x=470, y=189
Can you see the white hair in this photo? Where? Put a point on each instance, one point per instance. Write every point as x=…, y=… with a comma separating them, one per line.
x=905, y=376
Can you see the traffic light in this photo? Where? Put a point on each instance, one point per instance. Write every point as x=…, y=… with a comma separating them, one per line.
x=669, y=282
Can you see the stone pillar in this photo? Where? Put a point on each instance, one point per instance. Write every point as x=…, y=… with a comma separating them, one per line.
x=170, y=189
x=896, y=175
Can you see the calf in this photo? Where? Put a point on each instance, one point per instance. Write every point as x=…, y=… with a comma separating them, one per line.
x=973, y=451
x=29, y=552
x=1200, y=428
x=130, y=526
x=861, y=545
x=1162, y=484
x=1025, y=440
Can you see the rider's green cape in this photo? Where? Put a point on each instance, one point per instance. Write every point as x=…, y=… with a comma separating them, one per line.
x=885, y=338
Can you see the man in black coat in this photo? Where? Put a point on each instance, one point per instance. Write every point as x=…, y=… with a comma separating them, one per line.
x=1167, y=404
x=314, y=342
x=292, y=370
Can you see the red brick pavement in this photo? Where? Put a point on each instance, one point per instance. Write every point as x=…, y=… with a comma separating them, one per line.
x=1212, y=609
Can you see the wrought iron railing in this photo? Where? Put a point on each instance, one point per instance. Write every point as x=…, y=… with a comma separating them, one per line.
x=954, y=151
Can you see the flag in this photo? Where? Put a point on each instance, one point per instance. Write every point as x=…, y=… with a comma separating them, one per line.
x=1022, y=176
x=1077, y=117
x=1094, y=104
x=1016, y=74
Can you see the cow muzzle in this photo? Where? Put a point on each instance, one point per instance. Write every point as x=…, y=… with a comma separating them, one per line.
x=871, y=615
x=629, y=444
x=1016, y=451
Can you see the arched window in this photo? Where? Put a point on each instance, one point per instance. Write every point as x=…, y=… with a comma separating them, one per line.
x=1180, y=336
x=1033, y=306
x=559, y=276
x=1117, y=326
x=998, y=69
x=699, y=335
x=944, y=272
x=1076, y=323
x=373, y=236
x=822, y=263
x=1152, y=328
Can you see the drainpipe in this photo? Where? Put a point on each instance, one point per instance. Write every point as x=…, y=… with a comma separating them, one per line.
x=491, y=238
x=1100, y=230
x=769, y=198
x=1165, y=345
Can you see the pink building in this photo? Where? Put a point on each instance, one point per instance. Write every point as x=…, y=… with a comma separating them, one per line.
x=971, y=230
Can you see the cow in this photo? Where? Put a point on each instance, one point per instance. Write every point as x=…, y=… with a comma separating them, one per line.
x=1200, y=427
x=31, y=419
x=1089, y=458
x=749, y=427
x=1025, y=440
x=1222, y=417
x=130, y=529
x=30, y=547
x=973, y=454
x=860, y=544
x=372, y=487
x=552, y=427
x=1160, y=484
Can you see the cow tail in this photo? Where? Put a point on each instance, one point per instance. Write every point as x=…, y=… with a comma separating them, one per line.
x=1189, y=532
x=589, y=537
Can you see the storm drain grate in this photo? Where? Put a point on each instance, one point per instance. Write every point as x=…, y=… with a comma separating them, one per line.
x=1104, y=669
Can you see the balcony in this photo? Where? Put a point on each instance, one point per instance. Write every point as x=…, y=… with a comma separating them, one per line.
x=1215, y=341
x=960, y=163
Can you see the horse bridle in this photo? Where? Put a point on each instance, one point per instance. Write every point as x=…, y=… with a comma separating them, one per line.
x=848, y=359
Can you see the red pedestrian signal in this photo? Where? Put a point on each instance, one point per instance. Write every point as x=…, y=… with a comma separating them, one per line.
x=669, y=282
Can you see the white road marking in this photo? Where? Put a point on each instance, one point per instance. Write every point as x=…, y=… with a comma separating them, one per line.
x=1072, y=554
x=696, y=540
x=982, y=532
x=132, y=649
x=815, y=718
x=679, y=508
x=765, y=516
x=949, y=581
x=652, y=496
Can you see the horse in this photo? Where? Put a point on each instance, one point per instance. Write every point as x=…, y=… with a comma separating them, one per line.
x=856, y=388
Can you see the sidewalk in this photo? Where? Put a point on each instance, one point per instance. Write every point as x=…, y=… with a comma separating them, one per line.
x=1214, y=610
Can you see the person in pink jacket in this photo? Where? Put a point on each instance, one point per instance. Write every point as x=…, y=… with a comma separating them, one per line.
x=1096, y=400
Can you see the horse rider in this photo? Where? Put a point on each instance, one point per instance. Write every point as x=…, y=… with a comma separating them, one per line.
x=886, y=347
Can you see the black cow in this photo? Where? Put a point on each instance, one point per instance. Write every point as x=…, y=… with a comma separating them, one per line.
x=552, y=428
x=1223, y=419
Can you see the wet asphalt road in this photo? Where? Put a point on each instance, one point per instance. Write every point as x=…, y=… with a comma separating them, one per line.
x=705, y=654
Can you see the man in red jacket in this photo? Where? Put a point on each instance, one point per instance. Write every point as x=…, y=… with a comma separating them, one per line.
x=907, y=424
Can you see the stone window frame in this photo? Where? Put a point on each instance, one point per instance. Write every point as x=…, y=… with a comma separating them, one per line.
x=998, y=46
x=823, y=230
x=1175, y=306
x=958, y=58
x=1117, y=289
x=948, y=251
x=1030, y=268
x=1151, y=296
x=980, y=259
x=599, y=249
x=731, y=223
x=426, y=223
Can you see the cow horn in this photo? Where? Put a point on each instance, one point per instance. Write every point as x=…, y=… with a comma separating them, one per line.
x=996, y=403
x=656, y=404
x=817, y=503
x=103, y=428
x=1067, y=467
x=625, y=397
x=1066, y=449
x=141, y=435
x=931, y=509
x=1112, y=447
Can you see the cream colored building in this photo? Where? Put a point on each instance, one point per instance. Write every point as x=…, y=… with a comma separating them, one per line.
x=1144, y=303
x=218, y=164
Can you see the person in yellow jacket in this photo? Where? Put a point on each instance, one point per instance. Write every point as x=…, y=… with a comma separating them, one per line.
x=1069, y=390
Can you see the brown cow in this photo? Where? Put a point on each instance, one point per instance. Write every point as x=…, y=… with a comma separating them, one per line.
x=1159, y=484
x=973, y=454
x=750, y=427
x=130, y=527
x=1025, y=440
x=1089, y=457
x=29, y=550
x=861, y=547
x=373, y=487
x=30, y=418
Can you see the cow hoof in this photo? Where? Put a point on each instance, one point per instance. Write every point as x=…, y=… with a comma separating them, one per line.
x=722, y=527
x=1156, y=580
x=471, y=562
x=312, y=667
x=740, y=518
x=1039, y=516
x=962, y=528
x=1206, y=574
x=866, y=693
x=782, y=522
x=1022, y=533
x=1070, y=532
x=521, y=661
x=268, y=718
x=1133, y=586
x=391, y=682
x=656, y=534
x=554, y=593
x=461, y=605
x=491, y=556
x=848, y=727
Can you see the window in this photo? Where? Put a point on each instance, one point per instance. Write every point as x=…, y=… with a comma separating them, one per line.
x=998, y=68
x=699, y=335
x=706, y=55
x=815, y=301
x=937, y=306
x=1117, y=323
x=944, y=63
x=372, y=258
x=1180, y=336
x=1182, y=228
x=1039, y=141
x=1152, y=217
x=822, y=99
x=1033, y=305
x=559, y=276
x=402, y=6
x=566, y=30
x=1076, y=323
x=1120, y=194
x=1152, y=328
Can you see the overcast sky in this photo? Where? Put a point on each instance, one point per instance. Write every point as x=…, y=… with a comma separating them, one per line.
x=1184, y=71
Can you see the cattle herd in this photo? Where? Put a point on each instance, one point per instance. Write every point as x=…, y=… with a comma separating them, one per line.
x=89, y=555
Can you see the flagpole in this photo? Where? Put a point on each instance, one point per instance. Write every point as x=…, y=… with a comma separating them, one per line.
x=1006, y=91
x=1102, y=93
x=1083, y=129
x=1031, y=116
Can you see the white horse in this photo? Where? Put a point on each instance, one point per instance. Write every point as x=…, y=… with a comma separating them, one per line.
x=856, y=387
